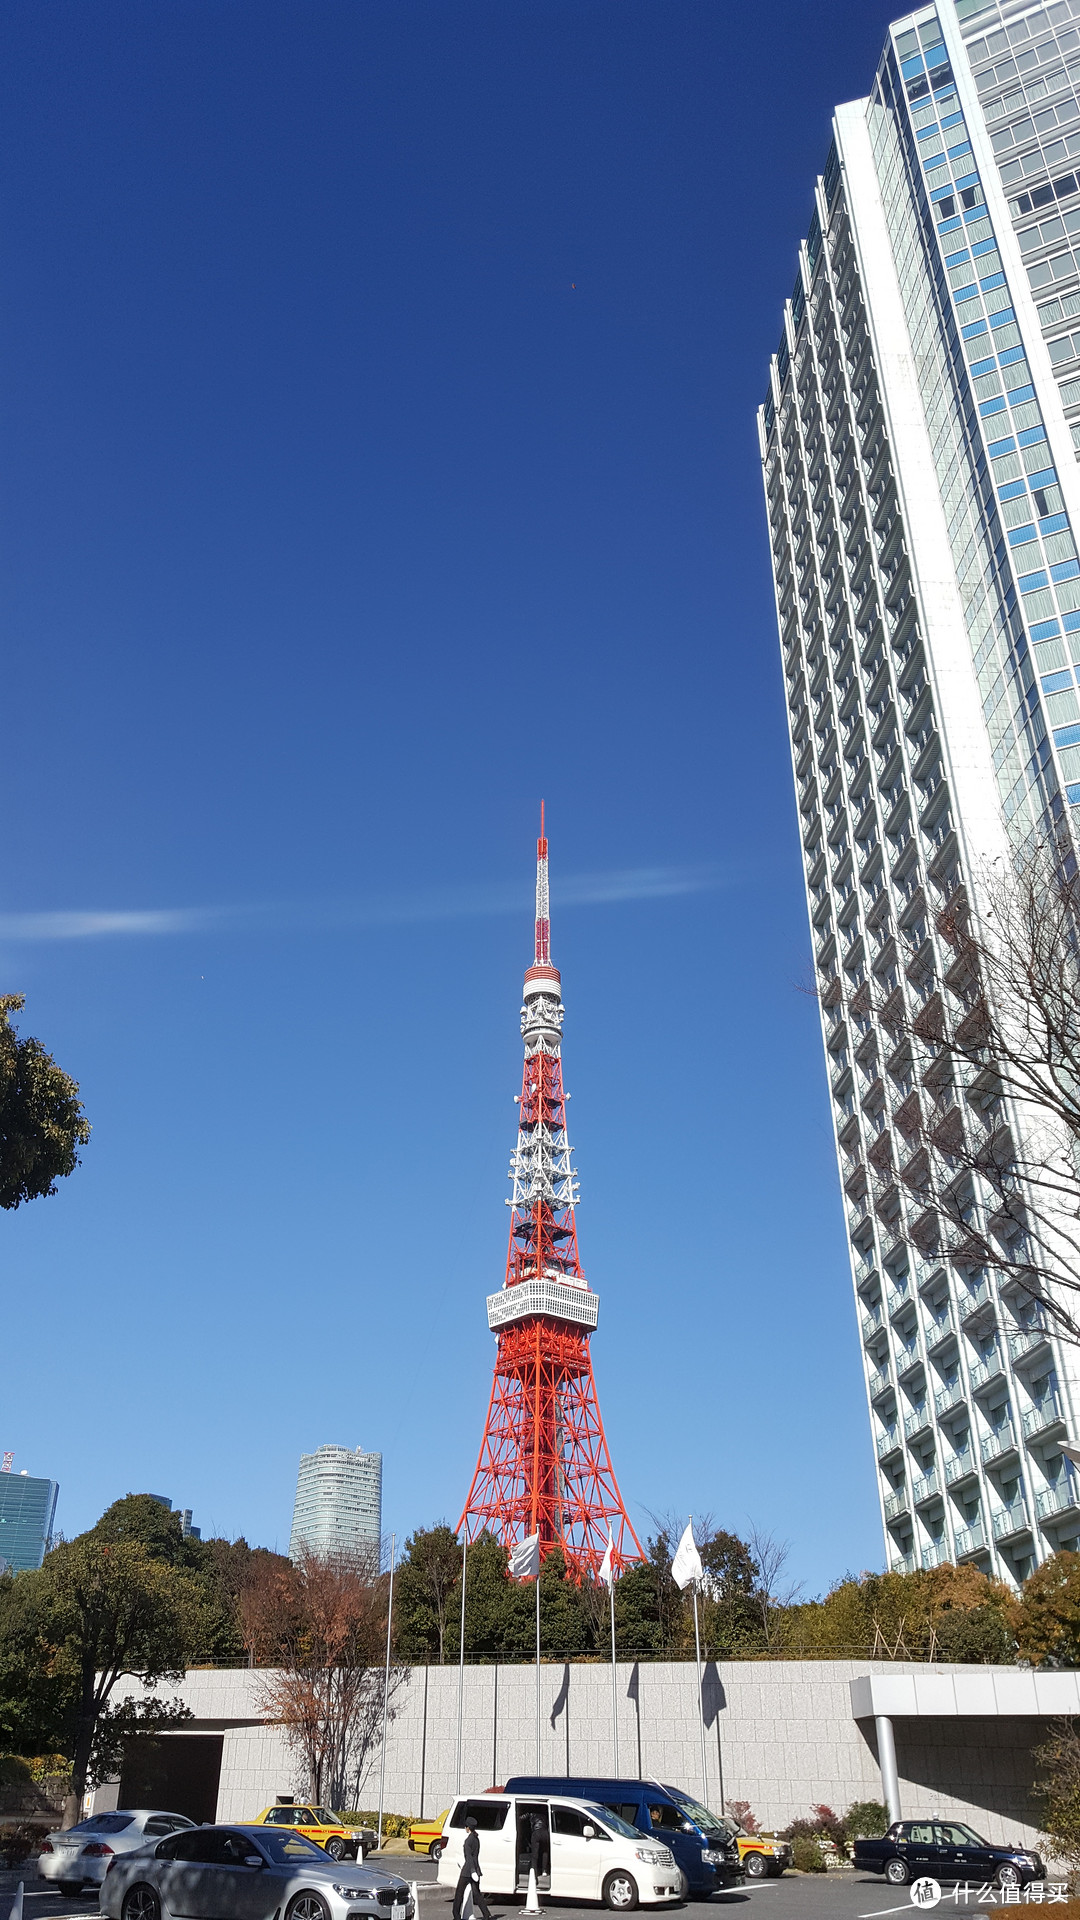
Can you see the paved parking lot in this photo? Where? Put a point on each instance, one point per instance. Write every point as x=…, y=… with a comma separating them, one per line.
x=841, y=1896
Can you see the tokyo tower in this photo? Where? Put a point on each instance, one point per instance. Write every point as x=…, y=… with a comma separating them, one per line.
x=544, y=1465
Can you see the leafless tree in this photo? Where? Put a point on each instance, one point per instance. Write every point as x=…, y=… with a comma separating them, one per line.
x=773, y=1591
x=319, y=1628
x=980, y=1164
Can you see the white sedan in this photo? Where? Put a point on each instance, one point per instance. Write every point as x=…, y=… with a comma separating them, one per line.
x=80, y=1856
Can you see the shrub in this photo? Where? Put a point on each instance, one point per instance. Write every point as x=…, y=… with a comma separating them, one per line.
x=829, y=1825
x=17, y=1841
x=742, y=1811
x=395, y=1826
x=866, y=1820
x=807, y=1856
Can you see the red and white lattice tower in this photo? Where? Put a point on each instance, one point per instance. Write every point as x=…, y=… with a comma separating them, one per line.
x=544, y=1465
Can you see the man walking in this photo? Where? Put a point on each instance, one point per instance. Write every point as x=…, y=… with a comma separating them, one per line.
x=470, y=1874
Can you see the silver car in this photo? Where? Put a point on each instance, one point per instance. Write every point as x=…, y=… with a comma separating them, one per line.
x=248, y=1873
x=81, y=1856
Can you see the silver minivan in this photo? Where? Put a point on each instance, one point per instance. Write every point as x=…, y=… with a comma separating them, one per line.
x=586, y=1851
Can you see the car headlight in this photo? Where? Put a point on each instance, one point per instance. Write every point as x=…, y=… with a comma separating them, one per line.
x=354, y=1893
x=1025, y=1859
x=650, y=1855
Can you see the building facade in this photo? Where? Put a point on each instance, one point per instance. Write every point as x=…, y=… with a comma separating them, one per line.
x=27, y=1511
x=919, y=441
x=338, y=1507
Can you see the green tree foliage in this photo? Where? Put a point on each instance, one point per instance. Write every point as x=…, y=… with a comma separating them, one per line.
x=1049, y=1625
x=131, y=1596
x=428, y=1578
x=42, y=1122
x=944, y=1613
x=866, y=1820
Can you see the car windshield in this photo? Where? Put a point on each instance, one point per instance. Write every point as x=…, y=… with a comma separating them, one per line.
x=283, y=1847
x=693, y=1810
x=105, y=1823
x=970, y=1838
x=325, y=1818
x=605, y=1818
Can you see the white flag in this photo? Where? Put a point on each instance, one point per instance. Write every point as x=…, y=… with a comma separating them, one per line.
x=607, y=1569
x=686, y=1565
x=525, y=1558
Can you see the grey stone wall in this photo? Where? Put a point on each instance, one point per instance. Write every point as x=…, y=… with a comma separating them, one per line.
x=779, y=1734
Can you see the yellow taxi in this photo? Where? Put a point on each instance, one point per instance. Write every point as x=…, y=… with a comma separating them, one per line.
x=762, y=1854
x=319, y=1824
x=426, y=1836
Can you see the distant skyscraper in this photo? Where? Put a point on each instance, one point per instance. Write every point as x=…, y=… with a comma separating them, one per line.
x=27, y=1511
x=919, y=442
x=183, y=1514
x=338, y=1506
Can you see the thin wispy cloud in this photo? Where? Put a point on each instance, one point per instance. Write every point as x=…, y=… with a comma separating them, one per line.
x=386, y=910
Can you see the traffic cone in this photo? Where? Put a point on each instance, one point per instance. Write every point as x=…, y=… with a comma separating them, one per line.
x=532, y=1898
x=17, y=1904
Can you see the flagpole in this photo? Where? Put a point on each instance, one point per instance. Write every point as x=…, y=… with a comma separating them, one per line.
x=700, y=1696
x=386, y=1684
x=614, y=1683
x=538, y=1668
x=461, y=1663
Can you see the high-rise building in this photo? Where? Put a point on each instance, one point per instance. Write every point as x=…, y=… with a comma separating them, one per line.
x=183, y=1514
x=338, y=1507
x=27, y=1511
x=919, y=442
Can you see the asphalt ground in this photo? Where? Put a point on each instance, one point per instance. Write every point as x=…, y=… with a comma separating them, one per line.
x=803, y=1896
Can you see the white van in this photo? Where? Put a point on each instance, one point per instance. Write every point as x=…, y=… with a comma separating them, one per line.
x=587, y=1852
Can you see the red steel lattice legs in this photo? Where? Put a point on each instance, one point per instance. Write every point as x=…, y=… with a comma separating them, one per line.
x=544, y=1465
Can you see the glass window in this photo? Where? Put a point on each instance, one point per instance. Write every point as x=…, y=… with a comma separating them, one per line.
x=105, y=1823
x=281, y=1847
x=664, y=1818
x=490, y=1815
x=570, y=1820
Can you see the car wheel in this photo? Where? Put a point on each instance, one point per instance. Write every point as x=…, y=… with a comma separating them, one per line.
x=307, y=1906
x=755, y=1865
x=896, y=1872
x=335, y=1847
x=1007, y=1876
x=620, y=1892
x=435, y=1851
x=70, y=1887
x=141, y=1903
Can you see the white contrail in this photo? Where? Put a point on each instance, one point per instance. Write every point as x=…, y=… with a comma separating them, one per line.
x=575, y=890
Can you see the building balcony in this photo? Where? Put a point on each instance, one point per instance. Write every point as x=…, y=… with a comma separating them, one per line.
x=887, y=1443
x=896, y=1299
x=1008, y=1521
x=959, y=1467
x=1025, y=1346
x=976, y=1298
x=990, y=1367
x=878, y=1381
x=949, y=1397
x=970, y=1540
x=935, y=1555
x=895, y=1504
x=902, y=1563
x=926, y=1486
x=1042, y=1417
x=907, y=1360
x=918, y=1422
x=871, y=1324
x=1064, y=1498
x=938, y=1331
x=994, y=1446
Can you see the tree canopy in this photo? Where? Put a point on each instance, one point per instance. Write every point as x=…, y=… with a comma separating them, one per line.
x=42, y=1123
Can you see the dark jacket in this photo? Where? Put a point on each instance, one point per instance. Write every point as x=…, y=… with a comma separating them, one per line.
x=472, y=1852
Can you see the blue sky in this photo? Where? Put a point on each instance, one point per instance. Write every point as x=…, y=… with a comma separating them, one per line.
x=379, y=457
